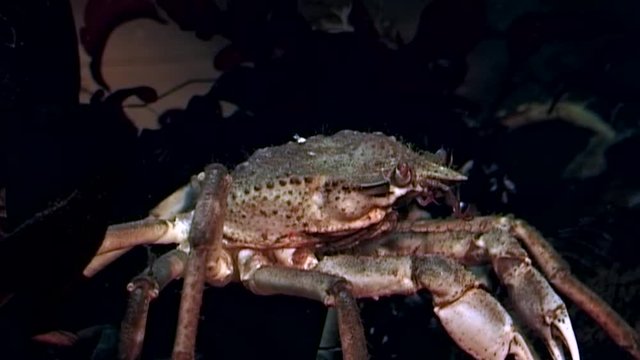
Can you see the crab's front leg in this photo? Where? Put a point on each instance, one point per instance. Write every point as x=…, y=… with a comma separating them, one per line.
x=495, y=240
x=261, y=277
x=142, y=290
x=168, y=223
x=204, y=243
x=473, y=318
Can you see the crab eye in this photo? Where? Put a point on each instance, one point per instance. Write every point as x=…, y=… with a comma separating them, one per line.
x=402, y=174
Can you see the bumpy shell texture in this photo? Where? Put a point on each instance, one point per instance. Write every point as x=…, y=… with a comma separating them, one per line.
x=357, y=157
x=288, y=195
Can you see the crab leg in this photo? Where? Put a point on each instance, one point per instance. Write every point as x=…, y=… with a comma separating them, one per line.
x=560, y=275
x=532, y=295
x=169, y=223
x=142, y=290
x=205, y=236
x=123, y=237
x=101, y=261
x=473, y=318
x=493, y=239
x=332, y=290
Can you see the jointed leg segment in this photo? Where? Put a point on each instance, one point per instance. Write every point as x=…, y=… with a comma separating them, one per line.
x=332, y=290
x=497, y=240
x=471, y=316
x=205, y=237
x=142, y=290
x=123, y=237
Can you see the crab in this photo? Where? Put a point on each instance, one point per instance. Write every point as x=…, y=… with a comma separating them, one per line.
x=321, y=218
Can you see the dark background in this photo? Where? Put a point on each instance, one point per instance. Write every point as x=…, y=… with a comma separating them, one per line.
x=69, y=169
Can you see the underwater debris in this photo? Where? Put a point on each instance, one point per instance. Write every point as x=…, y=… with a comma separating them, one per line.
x=591, y=160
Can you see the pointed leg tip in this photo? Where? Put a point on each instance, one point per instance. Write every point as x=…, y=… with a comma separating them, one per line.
x=561, y=332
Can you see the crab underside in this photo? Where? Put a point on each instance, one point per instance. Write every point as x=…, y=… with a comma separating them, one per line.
x=318, y=219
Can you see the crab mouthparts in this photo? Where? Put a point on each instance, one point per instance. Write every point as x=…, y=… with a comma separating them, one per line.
x=433, y=186
x=426, y=199
x=434, y=189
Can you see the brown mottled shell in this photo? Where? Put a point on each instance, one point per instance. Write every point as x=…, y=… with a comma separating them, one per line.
x=284, y=195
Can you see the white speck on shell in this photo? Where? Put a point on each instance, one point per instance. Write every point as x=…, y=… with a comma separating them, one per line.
x=318, y=199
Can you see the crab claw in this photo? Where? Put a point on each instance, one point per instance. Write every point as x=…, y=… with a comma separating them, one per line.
x=560, y=326
x=482, y=327
x=541, y=308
